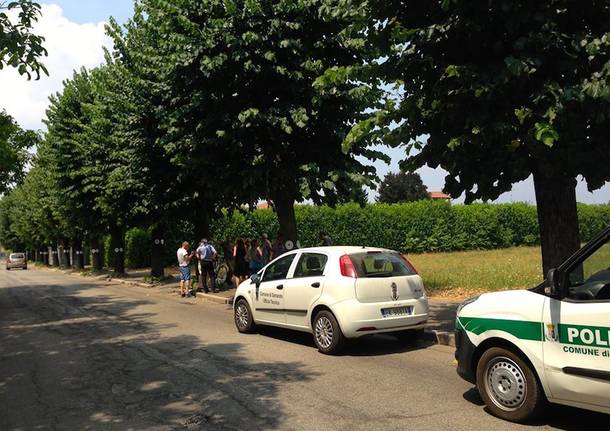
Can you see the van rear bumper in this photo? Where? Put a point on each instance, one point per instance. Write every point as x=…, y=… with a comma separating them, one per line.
x=464, y=354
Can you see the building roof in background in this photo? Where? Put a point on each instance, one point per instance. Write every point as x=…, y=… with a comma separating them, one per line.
x=438, y=195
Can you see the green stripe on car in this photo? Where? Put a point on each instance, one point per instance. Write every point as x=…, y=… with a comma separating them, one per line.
x=522, y=329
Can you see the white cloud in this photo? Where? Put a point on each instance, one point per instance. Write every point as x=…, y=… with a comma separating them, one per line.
x=70, y=46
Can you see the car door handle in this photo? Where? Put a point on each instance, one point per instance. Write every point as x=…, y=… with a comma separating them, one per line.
x=279, y=287
x=316, y=284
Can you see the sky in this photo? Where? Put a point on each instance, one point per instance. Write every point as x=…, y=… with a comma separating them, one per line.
x=74, y=32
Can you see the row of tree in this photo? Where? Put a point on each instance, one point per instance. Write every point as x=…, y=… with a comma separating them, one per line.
x=210, y=104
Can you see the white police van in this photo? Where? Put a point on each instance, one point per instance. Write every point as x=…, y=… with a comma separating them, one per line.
x=552, y=343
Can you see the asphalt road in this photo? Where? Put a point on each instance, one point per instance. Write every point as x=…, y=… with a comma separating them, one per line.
x=77, y=354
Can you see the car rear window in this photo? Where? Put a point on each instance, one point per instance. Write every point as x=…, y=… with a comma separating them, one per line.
x=380, y=264
x=17, y=256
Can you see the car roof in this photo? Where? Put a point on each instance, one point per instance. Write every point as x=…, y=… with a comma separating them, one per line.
x=340, y=249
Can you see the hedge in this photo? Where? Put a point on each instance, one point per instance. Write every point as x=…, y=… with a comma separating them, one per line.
x=416, y=227
x=412, y=227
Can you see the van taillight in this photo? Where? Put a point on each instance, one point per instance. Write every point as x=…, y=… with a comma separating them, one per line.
x=409, y=264
x=347, y=267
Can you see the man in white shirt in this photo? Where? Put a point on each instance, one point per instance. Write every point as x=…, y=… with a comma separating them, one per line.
x=184, y=260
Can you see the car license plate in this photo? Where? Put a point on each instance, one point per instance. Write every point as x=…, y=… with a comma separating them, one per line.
x=396, y=311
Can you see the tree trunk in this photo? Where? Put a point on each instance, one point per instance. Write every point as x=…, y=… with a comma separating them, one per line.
x=117, y=241
x=79, y=258
x=202, y=226
x=557, y=216
x=284, y=206
x=96, y=254
x=54, y=256
x=156, y=256
x=45, y=255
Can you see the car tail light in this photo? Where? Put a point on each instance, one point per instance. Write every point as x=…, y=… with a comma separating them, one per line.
x=409, y=264
x=347, y=267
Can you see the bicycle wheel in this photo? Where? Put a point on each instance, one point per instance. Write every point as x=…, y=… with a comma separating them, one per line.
x=222, y=271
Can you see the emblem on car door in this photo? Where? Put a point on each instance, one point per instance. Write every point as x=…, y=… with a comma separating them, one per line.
x=394, y=292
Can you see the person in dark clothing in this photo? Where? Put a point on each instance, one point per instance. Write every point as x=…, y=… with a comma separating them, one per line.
x=206, y=253
x=325, y=239
x=240, y=270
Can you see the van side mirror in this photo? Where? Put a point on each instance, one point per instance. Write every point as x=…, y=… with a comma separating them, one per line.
x=551, y=284
x=255, y=279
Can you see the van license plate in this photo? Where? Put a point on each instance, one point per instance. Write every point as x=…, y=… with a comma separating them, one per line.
x=396, y=311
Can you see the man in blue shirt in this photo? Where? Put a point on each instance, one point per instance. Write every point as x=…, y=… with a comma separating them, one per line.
x=206, y=253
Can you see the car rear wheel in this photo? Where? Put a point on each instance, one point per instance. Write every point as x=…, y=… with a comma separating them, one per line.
x=243, y=317
x=508, y=386
x=327, y=334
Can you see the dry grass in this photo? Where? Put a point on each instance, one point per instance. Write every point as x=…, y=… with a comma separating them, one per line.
x=466, y=273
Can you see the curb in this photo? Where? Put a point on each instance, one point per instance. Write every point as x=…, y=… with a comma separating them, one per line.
x=215, y=298
x=443, y=338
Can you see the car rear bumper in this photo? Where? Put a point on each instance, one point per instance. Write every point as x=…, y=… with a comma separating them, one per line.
x=357, y=319
x=16, y=265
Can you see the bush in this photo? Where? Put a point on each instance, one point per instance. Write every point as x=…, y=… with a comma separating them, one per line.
x=422, y=226
x=137, y=248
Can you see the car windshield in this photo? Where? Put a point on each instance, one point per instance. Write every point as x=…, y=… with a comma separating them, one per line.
x=17, y=256
x=380, y=264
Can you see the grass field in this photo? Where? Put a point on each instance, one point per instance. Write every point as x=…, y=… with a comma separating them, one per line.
x=461, y=274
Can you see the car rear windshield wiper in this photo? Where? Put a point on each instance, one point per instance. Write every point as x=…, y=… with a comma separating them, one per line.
x=380, y=274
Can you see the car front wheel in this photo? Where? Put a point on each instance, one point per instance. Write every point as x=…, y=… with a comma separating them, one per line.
x=243, y=317
x=508, y=386
x=327, y=334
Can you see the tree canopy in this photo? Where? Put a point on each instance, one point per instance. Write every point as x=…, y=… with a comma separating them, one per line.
x=19, y=47
x=494, y=92
x=401, y=187
x=15, y=146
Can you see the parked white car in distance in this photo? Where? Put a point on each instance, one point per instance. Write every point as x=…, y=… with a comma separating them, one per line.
x=335, y=293
x=16, y=260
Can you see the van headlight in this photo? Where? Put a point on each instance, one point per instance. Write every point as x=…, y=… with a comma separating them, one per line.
x=465, y=303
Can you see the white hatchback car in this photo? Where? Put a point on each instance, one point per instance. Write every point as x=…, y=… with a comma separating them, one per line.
x=335, y=293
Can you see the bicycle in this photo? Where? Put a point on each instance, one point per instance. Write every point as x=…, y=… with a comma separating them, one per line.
x=221, y=270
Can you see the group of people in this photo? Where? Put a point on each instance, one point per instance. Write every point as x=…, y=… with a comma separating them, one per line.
x=245, y=257
x=250, y=255
x=205, y=255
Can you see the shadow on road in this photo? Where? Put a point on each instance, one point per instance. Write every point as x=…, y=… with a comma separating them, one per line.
x=556, y=416
x=369, y=345
x=95, y=361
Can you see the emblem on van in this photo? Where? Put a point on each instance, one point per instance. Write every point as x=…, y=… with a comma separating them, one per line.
x=394, y=292
x=551, y=333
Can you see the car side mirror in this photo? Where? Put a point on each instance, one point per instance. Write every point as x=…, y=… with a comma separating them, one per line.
x=551, y=284
x=255, y=279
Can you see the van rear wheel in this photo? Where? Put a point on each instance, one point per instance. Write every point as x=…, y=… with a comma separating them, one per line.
x=508, y=386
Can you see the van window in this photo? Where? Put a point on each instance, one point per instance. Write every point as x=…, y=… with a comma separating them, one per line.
x=17, y=256
x=310, y=265
x=590, y=280
x=380, y=264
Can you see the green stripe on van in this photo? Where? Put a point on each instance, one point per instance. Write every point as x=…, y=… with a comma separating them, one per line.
x=522, y=329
